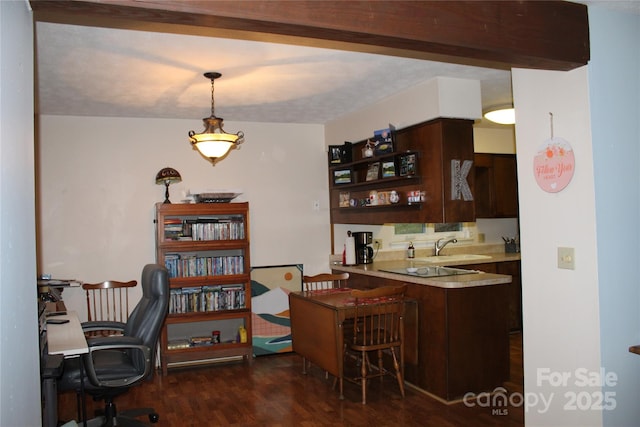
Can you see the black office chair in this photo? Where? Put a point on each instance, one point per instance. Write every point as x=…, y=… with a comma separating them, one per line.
x=115, y=363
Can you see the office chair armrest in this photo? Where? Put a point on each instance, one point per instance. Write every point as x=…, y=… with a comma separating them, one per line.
x=118, y=345
x=102, y=325
x=118, y=340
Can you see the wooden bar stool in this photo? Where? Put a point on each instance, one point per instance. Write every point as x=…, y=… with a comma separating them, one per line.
x=377, y=329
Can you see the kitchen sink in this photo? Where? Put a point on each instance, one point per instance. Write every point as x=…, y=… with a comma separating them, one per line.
x=430, y=271
x=451, y=258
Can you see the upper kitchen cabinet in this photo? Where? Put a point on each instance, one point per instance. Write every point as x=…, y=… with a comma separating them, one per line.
x=425, y=175
x=496, y=185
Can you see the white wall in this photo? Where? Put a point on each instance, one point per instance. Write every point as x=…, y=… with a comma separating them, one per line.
x=19, y=352
x=615, y=118
x=560, y=316
x=97, y=179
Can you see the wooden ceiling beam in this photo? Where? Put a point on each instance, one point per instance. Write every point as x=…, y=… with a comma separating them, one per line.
x=550, y=35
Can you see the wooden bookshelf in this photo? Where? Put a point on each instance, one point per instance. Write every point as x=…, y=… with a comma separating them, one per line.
x=205, y=247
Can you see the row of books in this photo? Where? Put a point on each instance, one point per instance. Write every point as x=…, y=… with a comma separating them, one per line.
x=178, y=344
x=191, y=265
x=207, y=298
x=231, y=228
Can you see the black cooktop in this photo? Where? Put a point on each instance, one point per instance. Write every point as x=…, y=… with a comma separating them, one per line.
x=431, y=271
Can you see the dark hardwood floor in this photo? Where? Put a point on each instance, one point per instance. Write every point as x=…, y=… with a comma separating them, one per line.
x=274, y=392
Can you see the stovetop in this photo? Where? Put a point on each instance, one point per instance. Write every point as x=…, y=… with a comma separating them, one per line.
x=431, y=271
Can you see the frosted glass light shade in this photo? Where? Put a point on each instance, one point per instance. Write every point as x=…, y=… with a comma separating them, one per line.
x=214, y=143
x=503, y=116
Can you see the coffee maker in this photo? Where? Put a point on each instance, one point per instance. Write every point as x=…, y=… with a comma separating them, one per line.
x=364, y=252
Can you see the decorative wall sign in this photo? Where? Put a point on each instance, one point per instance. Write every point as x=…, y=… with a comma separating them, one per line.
x=554, y=163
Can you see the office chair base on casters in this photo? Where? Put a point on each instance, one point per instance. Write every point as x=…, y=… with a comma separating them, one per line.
x=109, y=416
x=122, y=420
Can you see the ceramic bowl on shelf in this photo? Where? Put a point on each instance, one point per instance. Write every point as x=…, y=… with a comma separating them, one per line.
x=411, y=269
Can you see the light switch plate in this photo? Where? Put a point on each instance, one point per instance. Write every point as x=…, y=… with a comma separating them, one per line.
x=566, y=258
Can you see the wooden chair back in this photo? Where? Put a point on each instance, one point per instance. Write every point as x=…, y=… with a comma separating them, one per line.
x=377, y=327
x=378, y=318
x=108, y=301
x=325, y=281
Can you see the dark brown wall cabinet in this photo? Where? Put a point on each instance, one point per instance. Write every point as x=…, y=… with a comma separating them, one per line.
x=421, y=165
x=496, y=185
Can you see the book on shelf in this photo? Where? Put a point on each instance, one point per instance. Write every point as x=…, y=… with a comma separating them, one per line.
x=193, y=265
x=178, y=344
x=200, y=340
x=207, y=298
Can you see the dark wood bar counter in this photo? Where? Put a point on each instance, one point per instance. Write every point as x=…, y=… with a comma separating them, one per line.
x=462, y=339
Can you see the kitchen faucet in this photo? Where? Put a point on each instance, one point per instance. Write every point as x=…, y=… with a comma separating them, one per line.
x=439, y=246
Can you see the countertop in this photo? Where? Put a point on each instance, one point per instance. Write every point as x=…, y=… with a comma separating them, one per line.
x=451, y=282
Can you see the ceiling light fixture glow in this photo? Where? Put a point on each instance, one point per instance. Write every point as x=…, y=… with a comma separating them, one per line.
x=504, y=115
x=214, y=143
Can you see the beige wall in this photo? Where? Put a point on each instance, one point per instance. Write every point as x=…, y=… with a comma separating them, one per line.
x=438, y=97
x=97, y=192
x=561, y=319
x=494, y=140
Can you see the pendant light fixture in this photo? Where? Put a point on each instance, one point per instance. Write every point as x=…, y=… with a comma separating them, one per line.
x=214, y=143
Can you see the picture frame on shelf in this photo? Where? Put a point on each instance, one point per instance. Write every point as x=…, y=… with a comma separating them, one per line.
x=408, y=165
x=384, y=140
x=388, y=169
x=342, y=176
x=373, y=172
x=336, y=155
x=345, y=199
x=340, y=154
x=382, y=135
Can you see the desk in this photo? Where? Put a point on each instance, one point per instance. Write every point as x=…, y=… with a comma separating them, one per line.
x=316, y=327
x=67, y=340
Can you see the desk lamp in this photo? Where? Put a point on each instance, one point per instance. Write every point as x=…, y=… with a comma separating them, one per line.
x=167, y=176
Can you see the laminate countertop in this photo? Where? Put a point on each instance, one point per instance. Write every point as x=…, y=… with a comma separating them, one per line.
x=376, y=269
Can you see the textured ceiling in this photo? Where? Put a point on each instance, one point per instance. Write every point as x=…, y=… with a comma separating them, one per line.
x=93, y=71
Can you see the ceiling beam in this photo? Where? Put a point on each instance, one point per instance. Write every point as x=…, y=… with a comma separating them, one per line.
x=550, y=35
